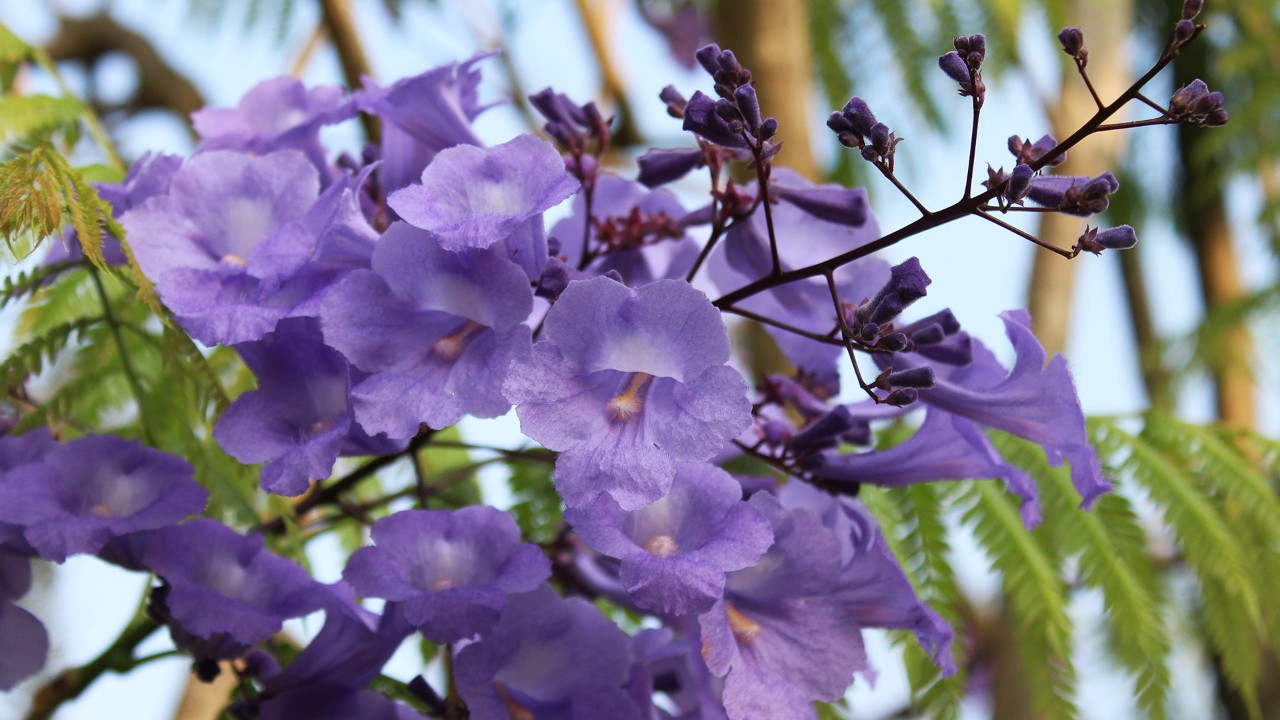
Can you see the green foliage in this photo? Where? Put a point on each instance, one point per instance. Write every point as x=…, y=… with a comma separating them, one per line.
x=1231, y=609
x=1035, y=595
x=28, y=118
x=40, y=193
x=537, y=508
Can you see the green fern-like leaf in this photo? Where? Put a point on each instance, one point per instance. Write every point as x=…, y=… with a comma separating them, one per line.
x=1231, y=609
x=1035, y=593
x=912, y=520
x=30, y=358
x=1110, y=547
x=27, y=282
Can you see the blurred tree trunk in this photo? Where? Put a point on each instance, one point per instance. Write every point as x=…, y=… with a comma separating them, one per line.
x=771, y=39
x=1106, y=27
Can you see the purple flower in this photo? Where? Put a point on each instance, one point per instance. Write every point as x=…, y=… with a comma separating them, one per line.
x=223, y=584
x=675, y=552
x=474, y=197
x=24, y=645
x=299, y=419
x=276, y=114
x=781, y=638
x=435, y=329
x=704, y=116
x=213, y=244
x=639, y=232
x=1034, y=401
x=548, y=657
x=96, y=488
x=422, y=115
x=946, y=447
x=872, y=585
x=450, y=572
x=625, y=383
x=349, y=650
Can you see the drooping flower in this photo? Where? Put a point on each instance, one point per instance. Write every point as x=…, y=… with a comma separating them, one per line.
x=448, y=572
x=24, y=644
x=221, y=584
x=780, y=637
x=299, y=419
x=421, y=116
x=675, y=552
x=532, y=663
x=1034, y=401
x=626, y=382
x=434, y=329
x=92, y=489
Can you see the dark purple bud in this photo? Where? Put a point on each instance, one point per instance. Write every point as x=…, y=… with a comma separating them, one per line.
x=897, y=342
x=1019, y=183
x=978, y=44
x=869, y=154
x=1074, y=195
x=1192, y=8
x=768, y=128
x=1182, y=100
x=729, y=63
x=954, y=66
x=833, y=203
x=859, y=115
x=556, y=276
x=708, y=57
x=839, y=123
x=554, y=246
x=749, y=107
x=869, y=332
x=551, y=105
x=1072, y=39
x=701, y=116
x=1117, y=238
x=902, y=397
x=1183, y=32
x=1217, y=118
x=916, y=377
x=961, y=43
x=659, y=167
x=674, y=100
x=882, y=139
x=907, y=283
x=974, y=60
x=824, y=432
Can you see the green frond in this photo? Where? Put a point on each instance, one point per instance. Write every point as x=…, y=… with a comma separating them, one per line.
x=30, y=358
x=27, y=282
x=913, y=56
x=537, y=507
x=1036, y=595
x=1110, y=547
x=912, y=521
x=1231, y=608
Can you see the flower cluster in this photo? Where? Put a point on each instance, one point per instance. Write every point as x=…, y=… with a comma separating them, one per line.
x=379, y=301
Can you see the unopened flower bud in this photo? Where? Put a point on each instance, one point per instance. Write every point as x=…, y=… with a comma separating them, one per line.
x=1019, y=183
x=917, y=377
x=1183, y=31
x=1117, y=238
x=902, y=397
x=749, y=107
x=954, y=66
x=1072, y=39
x=768, y=128
x=1191, y=8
